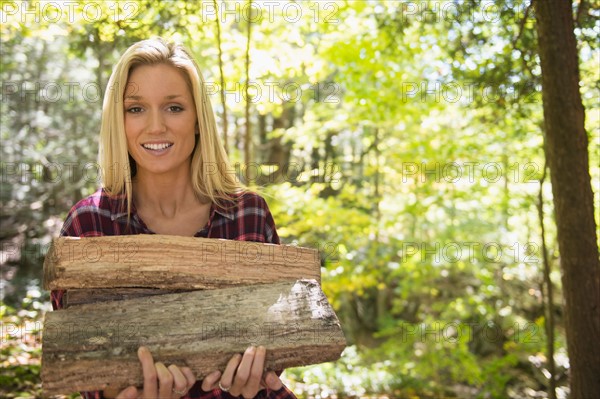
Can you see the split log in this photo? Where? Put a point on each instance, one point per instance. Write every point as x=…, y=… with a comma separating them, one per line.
x=94, y=346
x=173, y=263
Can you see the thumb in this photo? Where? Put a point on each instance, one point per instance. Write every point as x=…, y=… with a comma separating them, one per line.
x=128, y=393
x=273, y=381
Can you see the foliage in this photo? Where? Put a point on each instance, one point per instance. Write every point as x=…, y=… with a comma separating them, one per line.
x=402, y=139
x=21, y=347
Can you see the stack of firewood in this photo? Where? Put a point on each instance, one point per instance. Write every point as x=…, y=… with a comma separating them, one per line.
x=191, y=301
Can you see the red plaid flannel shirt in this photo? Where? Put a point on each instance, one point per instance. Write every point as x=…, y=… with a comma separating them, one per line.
x=246, y=219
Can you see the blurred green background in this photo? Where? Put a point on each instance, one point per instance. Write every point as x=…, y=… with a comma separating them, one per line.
x=402, y=139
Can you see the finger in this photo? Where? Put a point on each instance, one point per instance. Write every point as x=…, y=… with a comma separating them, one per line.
x=179, y=381
x=150, y=382
x=211, y=381
x=243, y=371
x=273, y=382
x=128, y=393
x=230, y=370
x=165, y=381
x=256, y=371
x=189, y=377
x=112, y=392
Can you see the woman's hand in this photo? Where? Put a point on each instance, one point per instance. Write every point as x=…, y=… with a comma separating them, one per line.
x=160, y=381
x=243, y=375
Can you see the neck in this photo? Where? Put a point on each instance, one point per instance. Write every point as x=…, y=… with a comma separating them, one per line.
x=167, y=195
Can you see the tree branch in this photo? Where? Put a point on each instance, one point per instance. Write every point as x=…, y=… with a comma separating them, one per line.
x=522, y=25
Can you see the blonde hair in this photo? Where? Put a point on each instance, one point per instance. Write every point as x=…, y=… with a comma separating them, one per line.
x=211, y=172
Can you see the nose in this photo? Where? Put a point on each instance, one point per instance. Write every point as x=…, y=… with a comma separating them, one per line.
x=156, y=123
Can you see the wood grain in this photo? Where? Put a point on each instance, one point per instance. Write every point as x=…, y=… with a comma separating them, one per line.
x=173, y=263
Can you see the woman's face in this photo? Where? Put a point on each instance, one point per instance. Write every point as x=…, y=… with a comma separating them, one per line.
x=160, y=120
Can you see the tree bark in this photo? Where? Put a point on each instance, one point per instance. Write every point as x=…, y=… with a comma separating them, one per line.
x=567, y=155
x=94, y=346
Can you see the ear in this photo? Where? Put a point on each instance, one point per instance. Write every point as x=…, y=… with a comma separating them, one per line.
x=197, y=131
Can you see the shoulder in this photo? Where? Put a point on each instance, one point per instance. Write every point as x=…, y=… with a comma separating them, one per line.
x=89, y=215
x=249, y=201
x=99, y=202
x=249, y=204
x=250, y=214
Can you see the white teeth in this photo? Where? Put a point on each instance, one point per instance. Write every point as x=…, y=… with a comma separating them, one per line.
x=157, y=147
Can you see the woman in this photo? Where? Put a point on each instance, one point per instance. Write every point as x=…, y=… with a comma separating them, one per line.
x=166, y=172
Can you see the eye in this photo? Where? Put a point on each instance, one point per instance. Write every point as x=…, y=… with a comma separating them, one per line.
x=134, y=110
x=175, y=108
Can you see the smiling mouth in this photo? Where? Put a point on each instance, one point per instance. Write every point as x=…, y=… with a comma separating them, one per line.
x=157, y=146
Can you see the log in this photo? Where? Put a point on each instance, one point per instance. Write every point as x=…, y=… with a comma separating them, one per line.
x=172, y=263
x=94, y=346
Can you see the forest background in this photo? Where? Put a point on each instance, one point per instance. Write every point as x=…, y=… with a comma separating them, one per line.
x=404, y=140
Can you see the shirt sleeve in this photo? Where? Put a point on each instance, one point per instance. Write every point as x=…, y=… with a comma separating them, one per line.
x=196, y=392
x=68, y=230
x=283, y=393
x=251, y=220
x=270, y=230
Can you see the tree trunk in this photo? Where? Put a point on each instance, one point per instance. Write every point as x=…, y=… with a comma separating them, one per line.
x=247, y=136
x=222, y=76
x=566, y=152
x=547, y=293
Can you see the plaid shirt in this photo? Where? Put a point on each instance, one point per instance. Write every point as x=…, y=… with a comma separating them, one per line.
x=246, y=218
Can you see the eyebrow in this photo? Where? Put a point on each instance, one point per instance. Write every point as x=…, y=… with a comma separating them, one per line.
x=137, y=98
